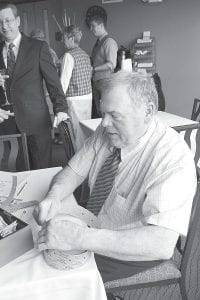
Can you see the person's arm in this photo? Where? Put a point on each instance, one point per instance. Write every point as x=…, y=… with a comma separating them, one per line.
x=166, y=211
x=143, y=243
x=62, y=185
x=66, y=181
x=66, y=71
x=52, y=80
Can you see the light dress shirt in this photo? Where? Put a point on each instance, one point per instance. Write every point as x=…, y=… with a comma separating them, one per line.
x=16, y=44
x=155, y=183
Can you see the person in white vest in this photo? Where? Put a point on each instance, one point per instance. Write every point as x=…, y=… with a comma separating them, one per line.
x=76, y=72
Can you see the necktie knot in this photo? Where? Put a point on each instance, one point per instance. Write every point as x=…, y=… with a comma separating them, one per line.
x=117, y=153
x=11, y=46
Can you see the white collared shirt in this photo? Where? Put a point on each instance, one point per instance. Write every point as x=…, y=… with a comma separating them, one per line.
x=16, y=44
x=155, y=184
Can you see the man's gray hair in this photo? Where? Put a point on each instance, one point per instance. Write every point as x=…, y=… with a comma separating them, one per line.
x=141, y=88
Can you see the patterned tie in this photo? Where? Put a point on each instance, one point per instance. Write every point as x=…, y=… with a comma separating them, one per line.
x=10, y=60
x=10, y=69
x=104, y=182
x=94, y=50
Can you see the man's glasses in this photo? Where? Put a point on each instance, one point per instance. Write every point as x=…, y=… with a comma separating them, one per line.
x=7, y=22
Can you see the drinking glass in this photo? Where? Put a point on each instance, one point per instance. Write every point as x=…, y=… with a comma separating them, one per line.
x=7, y=103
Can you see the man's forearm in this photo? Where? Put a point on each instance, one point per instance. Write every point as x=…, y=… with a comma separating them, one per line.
x=104, y=67
x=64, y=183
x=144, y=243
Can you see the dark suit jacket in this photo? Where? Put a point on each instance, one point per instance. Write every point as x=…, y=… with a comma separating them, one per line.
x=33, y=64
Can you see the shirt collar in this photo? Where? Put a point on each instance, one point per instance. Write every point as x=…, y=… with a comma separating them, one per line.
x=125, y=151
x=16, y=41
x=101, y=37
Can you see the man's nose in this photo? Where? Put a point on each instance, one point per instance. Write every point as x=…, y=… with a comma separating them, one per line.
x=106, y=121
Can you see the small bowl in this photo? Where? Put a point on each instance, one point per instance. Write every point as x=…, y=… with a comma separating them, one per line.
x=71, y=259
x=62, y=260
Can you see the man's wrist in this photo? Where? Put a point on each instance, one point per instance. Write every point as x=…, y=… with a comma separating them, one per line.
x=88, y=240
x=55, y=193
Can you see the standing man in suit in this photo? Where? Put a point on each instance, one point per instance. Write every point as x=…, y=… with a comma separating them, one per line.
x=28, y=63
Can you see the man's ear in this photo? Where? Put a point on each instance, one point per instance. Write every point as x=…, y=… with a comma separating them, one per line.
x=150, y=110
x=18, y=20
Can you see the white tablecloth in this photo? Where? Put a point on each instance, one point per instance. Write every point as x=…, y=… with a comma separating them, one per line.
x=29, y=277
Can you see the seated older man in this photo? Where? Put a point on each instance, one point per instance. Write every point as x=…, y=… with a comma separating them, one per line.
x=147, y=205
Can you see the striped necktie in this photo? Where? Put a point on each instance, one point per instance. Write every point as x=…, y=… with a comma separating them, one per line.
x=104, y=182
x=10, y=69
x=10, y=60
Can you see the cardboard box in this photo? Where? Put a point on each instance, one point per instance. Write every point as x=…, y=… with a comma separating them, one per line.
x=18, y=242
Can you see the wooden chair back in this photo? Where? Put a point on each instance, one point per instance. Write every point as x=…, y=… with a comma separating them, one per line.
x=196, y=110
x=191, y=134
x=11, y=147
x=67, y=134
x=191, y=250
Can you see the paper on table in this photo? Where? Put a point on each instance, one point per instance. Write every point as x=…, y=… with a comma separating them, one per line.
x=21, y=191
x=6, y=182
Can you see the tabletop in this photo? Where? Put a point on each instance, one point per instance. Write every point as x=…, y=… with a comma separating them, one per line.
x=29, y=276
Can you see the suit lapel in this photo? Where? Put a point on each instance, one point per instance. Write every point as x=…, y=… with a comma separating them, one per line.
x=20, y=57
x=2, y=64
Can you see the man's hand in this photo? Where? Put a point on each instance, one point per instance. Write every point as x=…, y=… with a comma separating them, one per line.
x=61, y=116
x=63, y=232
x=2, y=79
x=4, y=115
x=46, y=210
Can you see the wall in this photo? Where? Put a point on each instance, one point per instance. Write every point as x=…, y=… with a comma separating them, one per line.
x=174, y=23
x=34, y=13
x=176, y=27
